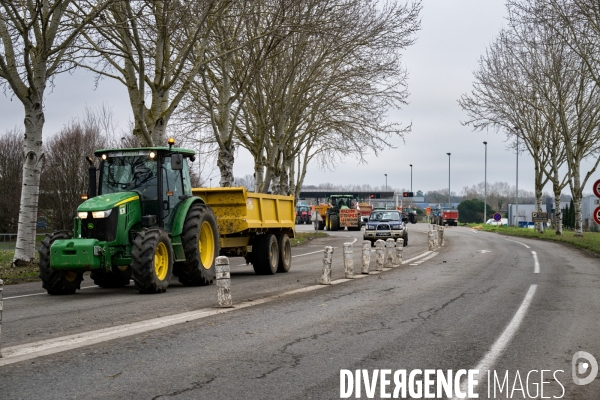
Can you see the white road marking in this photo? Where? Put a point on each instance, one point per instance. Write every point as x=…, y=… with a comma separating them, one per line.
x=484, y=251
x=424, y=254
x=37, y=294
x=489, y=360
x=522, y=244
x=536, y=268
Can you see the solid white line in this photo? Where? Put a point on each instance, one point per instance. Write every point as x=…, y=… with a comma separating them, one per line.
x=536, y=268
x=37, y=294
x=502, y=342
x=417, y=257
x=523, y=244
x=29, y=351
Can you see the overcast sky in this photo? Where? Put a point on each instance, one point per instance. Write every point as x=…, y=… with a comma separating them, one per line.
x=441, y=64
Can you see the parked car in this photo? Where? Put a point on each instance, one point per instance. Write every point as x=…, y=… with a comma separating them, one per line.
x=503, y=222
x=385, y=224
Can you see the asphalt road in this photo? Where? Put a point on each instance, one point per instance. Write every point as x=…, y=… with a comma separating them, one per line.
x=477, y=304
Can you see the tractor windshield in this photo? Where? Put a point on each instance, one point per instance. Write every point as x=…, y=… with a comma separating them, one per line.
x=124, y=174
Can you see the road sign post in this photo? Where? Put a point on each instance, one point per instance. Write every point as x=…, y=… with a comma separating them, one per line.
x=497, y=218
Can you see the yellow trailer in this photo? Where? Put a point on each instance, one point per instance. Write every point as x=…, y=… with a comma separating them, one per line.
x=256, y=226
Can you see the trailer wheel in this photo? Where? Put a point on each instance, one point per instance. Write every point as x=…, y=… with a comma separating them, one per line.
x=334, y=222
x=285, y=253
x=152, y=261
x=57, y=282
x=265, y=257
x=118, y=277
x=200, y=240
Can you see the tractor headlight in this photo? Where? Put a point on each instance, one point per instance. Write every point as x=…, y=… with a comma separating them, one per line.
x=82, y=214
x=101, y=214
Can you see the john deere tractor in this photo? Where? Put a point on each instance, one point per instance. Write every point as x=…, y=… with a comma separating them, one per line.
x=139, y=222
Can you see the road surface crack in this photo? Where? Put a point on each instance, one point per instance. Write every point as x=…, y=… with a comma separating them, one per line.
x=194, y=386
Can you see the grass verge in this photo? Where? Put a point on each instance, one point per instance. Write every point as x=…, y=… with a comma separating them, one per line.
x=590, y=240
x=303, y=237
x=11, y=275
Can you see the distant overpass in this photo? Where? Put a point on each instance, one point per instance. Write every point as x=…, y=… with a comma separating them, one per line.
x=322, y=194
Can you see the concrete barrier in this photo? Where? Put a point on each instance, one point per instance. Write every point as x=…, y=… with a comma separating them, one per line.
x=399, y=250
x=366, y=256
x=348, y=261
x=379, y=255
x=327, y=258
x=390, y=252
x=223, y=279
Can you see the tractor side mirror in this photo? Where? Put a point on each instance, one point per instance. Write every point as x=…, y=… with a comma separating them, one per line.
x=177, y=162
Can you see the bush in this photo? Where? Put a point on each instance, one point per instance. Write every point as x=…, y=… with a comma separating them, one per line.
x=470, y=211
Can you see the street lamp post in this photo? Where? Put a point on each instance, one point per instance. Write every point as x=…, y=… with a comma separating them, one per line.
x=411, y=177
x=448, y=178
x=385, y=182
x=485, y=187
x=517, y=194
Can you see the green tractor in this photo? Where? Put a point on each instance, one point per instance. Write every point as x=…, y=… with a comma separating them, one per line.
x=143, y=224
x=343, y=212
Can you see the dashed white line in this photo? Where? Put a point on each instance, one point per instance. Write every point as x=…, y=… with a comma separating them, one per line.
x=499, y=346
x=536, y=268
x=522, y=244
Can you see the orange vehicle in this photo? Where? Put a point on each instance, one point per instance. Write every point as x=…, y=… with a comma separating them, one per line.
x=365, y=211
x=321, y=209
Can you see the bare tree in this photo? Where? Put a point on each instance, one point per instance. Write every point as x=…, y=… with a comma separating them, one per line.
x=155, y=48
x=11, y=173
x=66, y=171
x=325, y=93
x=36, y=40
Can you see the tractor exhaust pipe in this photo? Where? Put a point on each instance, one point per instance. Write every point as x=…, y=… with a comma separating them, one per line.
x=92, y=177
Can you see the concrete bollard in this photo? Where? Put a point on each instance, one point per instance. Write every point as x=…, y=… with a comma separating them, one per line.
x=430, y=240
x=366, y=257
x=441, y=238
x=327, y=258
x=223, y=279
x=348, y=261
x=1, y=288
x=399, y=250
x=379, y=255
x=390, y=251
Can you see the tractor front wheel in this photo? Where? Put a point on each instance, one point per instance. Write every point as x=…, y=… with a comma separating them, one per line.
x=57, y=281
x=152, y=261
x=200, y=240
x=334, y=222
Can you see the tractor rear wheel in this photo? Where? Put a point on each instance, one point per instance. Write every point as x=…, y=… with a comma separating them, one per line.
x=265, y=255
x=200, y=240
x=57, y=281
x=152, y=261
x=118, y=277
x=285, y=253
x=334, y=221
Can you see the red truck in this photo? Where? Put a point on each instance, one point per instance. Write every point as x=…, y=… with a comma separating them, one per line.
x=450, y=217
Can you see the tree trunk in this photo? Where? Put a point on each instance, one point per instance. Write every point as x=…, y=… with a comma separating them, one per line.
x=557, y=213
x=576, y=191
x=33, y=156
x=225, y=164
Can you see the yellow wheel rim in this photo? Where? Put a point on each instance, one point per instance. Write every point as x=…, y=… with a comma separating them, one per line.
x=70, y=276
x=206, y=245
x=161, y=261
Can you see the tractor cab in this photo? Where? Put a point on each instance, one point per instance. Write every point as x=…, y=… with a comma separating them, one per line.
x=159, y=176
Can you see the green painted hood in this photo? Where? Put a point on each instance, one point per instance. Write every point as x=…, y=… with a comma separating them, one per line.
x=107, y=201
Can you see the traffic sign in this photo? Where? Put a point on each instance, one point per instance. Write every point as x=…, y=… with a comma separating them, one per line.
x=597, y=188
x=539, y=216
x=597, y=202
x=427, y=210
x=597, y=215
x=497, y=217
